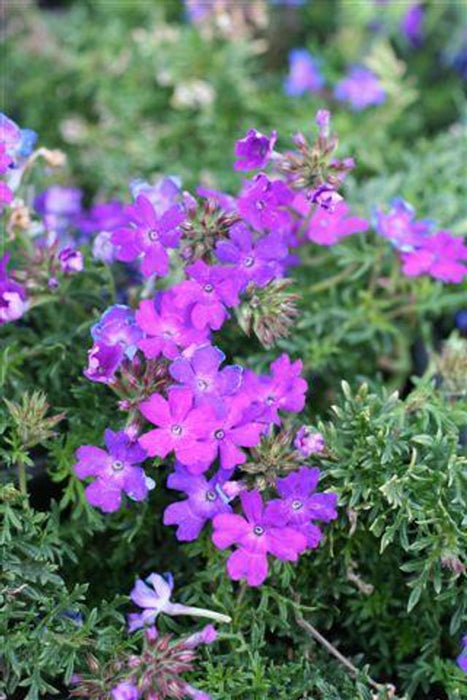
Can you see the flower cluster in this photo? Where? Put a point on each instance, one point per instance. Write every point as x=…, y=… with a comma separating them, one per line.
x=440, y=255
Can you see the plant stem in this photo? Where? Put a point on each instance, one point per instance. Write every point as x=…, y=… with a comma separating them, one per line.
x=22, y=477
x=179, y=609
x=331, y=281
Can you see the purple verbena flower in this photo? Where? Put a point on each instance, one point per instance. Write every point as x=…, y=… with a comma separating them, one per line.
x=412, y=24
x=258, y=533
x=163, y=194
x=103, y=362
x=5, y=159
x=202, y=374
x=117, y=326
x=283, y=390
x=114, y=469
x=326, y=196
x=59, y=207
x=399, y=226
x=13, y=302
x=440, y=256
x=258, y=262
x=71, y=260
x=304, y=74
x=300, y=506
x=254, y=150
x=181, y=428
x=224, y=201
x=103, y=249
x=264, y=204
x=309, y=442
x=328, y=227
x=104, y=216
x=323, y=121
x=205, y=500
x=6, y=195
x=361, y=88
x=168, y=329
x=125, y=691
x=206, y=295
x=462, y=658
x=149, y=236
x=207, y=635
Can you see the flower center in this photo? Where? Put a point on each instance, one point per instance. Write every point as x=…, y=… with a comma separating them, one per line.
x=219, y=434
x=208, y=288
x=176, y=429
x=117, y=466
x=260, y=204
x=296, y=505
x=258, y=530
x=249, y=261
x=210, y=495
x=153, y=235
x=270, y=400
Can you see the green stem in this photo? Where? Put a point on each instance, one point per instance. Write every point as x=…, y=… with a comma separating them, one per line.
x=22, y=477
x=331, y=281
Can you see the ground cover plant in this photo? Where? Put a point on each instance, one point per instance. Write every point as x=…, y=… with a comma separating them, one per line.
x=233, y=317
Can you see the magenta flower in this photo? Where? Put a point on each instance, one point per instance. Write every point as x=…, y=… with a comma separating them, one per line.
x=6, y=195
x=254, y=150
x=400, y=227
x=328, y=227
x=202, y=374
x=300, y=506
x=440, y=256
x=258, y=262
x=168, y=329
x=412, y=24
x=309, y=442
x=71, y=260
x=264, y=204
x=182, y=429
x=155, y=599
x=206, y=295
x=13, y=303
x=117, y=327
x=5, y=159
x=115, y=471
x=361, y=88
x=149, y=236
x=304, y=74
x=207, y=635
x=103, y=362
x=283, y=390
x=258, y=533
x=205, y=500
x=125, y=691
x=462, y=658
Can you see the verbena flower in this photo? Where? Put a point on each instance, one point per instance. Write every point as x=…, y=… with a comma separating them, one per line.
x=264, y=202
x=103, y=362
x=254, y=150
x=412, y=24
x=148, y=236
x=115, y=471
x=125, y=691
x=71, y=260
x=59, y=208
x=6, y=195
x=326, y=196
x=206, y=498
x=168, y=329
x=104, y=216
x=13, y=302
x=328, y=227
x=400, y=227
x=202, y=374
x=361, y=88
x=206, y=295
x=283, y=390
x=257, y=262
x=153, y=596
x=301, y=507
x=440, y=256
x=462, y=658
x=304, y=74
x=163, y=194
x=118, y=327
x=309, y=442
x=258, y=533
x=182, y=428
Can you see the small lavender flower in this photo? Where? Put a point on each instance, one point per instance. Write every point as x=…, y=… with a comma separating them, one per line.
x=153, y=596
x=163, y=194
x=114, y=469
x=59, y=207
x=326, y=196
x=462, y=658
x=118, y=326
x=304, y=74
x=103, y=362
x=254, y=150
x=71, y=260
x=412, y=24
x=264, y=204
x=361, y=88
x=103, y=249
x=400, y=227
x=441, y=256
x=309, y=442
x=125, y=691
x=13, y=303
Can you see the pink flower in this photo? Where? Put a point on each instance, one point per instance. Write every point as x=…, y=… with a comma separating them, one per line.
x=328, y=227
x=440, y=256
x=256, y=535
x=182, y=428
